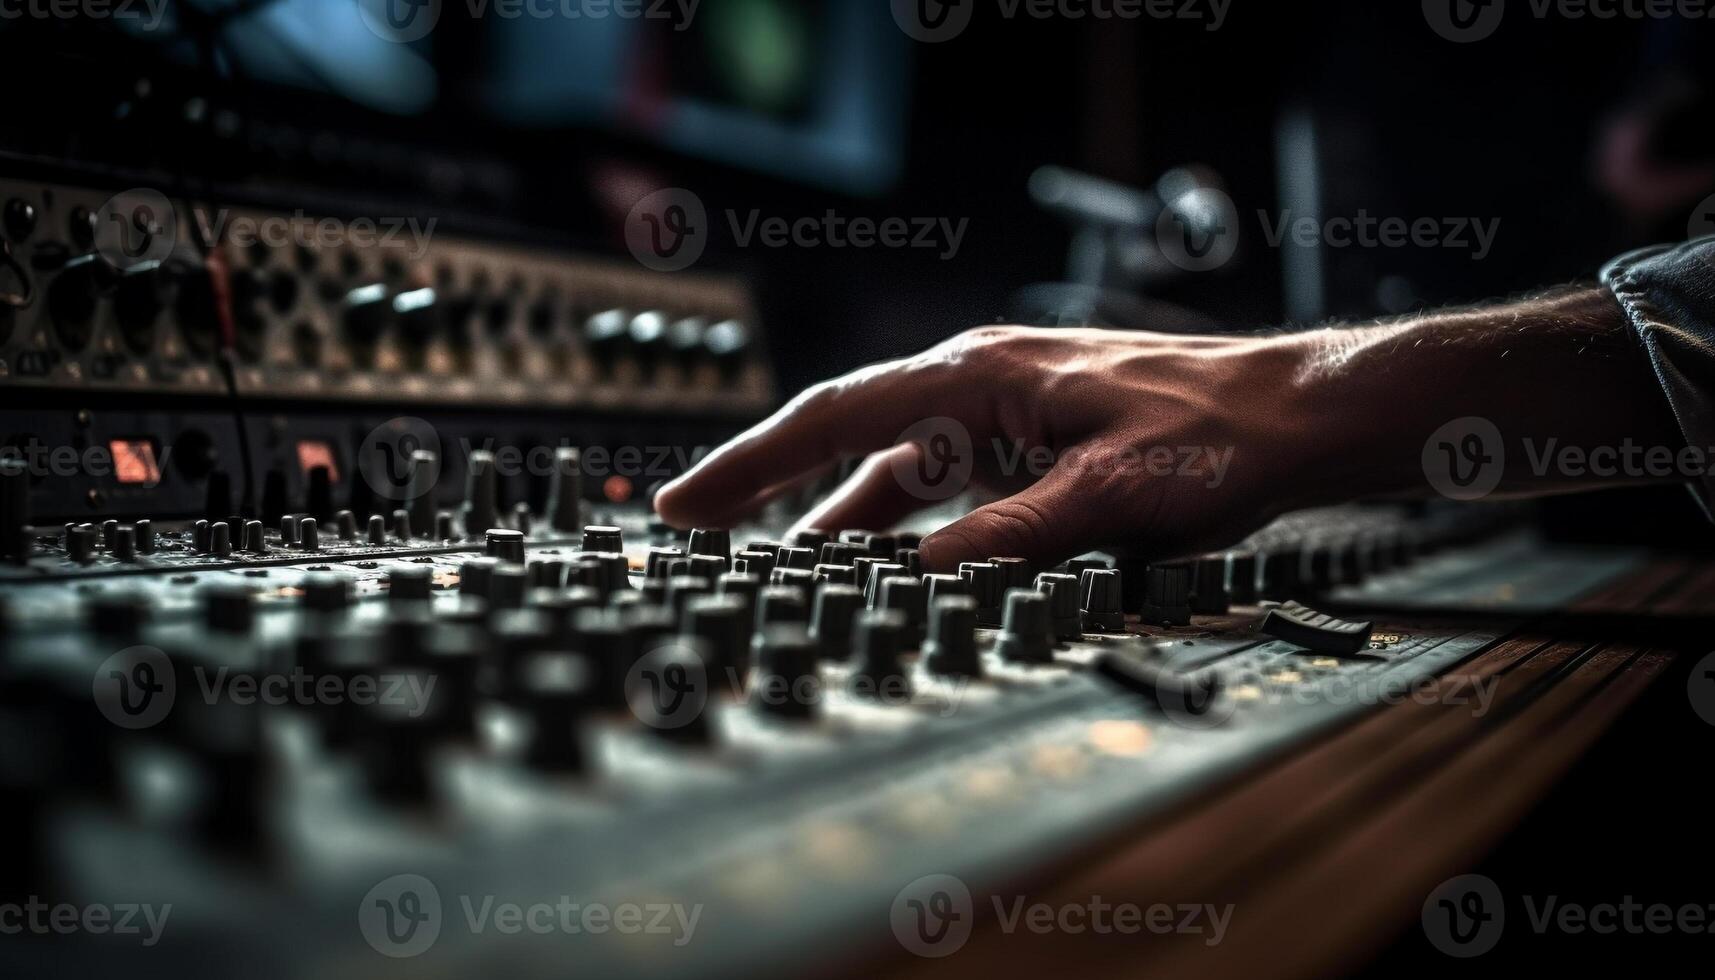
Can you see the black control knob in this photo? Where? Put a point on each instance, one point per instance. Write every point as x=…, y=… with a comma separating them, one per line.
x=475, y=575
x=124, y=547
x=681, y=589
x=418, y=316
x=655, y=561
x=878, y=636
x=420, y=489
x=1100, y=588
x=723, y=623
x=1167, y=594
x=346, y=524
x=803, y=558
x=309, y=534
x=118, y=616
x=834, y=574
x=905, y=595
x=1014, y=574
x=481, y=495
x=841, y=553
x=73, y=297
x=255, y=538
x=220, y=539
x=673, y=700
x=757, y=563
x=603, y=538
x=831, y=619
x=1027, y=630
x=951, y=648
x=409, y=583
x=1209, y=586
x=745, y=587
x=1280, y=573
x=1063, y=612
x=983, y=580
x=504, y=544
x=326, y=592
x=781, y=604
x=788, y=683
x=1241, y=578
x=566, y=490
x=377, y=531
x=507, y=585
x=230, y=609
x=874, y=574
x=556, y=689
x=812, y=538
x=364, y=314
x=803, y=578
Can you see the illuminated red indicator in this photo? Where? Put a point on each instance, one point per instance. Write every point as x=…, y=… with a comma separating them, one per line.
x=134, y=461
x=313, y=453
x=617, y=489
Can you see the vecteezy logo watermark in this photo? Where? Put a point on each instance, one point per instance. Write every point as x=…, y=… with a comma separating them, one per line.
x=402, y=235
x=668, y=687
x=100, y=919
x=1464, y=916
x=668, y=230
x=145, y=13
x=402, y=916
x=400, y=459
x=831, y=230
x=135, y=688
x=933, y=21
x=941, y=469
x=399, y=21
x=933, y=915
x=135, y=227
x=1364, y=230
x=1700, y=688
x=1465, y=458
x=1198, y=230
x=1702, y=219
x=1464, y=21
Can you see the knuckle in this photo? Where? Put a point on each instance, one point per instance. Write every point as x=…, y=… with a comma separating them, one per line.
x=1015, y=527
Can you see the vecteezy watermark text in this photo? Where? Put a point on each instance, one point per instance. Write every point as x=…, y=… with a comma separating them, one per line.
x=933, y=21
x=33, y=915
x=1466, y=915
x=145, y=13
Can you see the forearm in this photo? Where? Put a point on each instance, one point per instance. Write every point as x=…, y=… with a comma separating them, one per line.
x=1560, y=378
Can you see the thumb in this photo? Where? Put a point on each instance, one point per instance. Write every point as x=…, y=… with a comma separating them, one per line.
x=1050, y=521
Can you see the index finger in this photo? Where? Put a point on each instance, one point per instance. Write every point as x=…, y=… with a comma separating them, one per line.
x=858, y=413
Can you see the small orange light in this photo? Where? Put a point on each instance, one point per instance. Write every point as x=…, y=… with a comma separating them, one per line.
x=617, y=489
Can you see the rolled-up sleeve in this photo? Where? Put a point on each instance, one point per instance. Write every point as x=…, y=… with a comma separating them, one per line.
x=1668, y=295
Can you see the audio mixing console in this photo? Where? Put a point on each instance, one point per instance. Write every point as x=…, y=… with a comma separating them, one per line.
x=352, y=650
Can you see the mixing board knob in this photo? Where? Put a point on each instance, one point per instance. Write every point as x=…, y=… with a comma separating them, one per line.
x=878, y=635
x=938, y=587
x=255, y=540
x=655, y=559
x=124, y=547
x=710, y=567
x=399, y=747
x=951, y=649
x=788, y=683
x=780, y=604
x=831, y=619
x=345, y=525
x=481, y=494
x=145, y=529
x=566, y=490
x=475, y=575
x=803, y=578
x=507, y=585
x=1167, y=594
x=504, y=544
x=722, y=622
x=409, y=583
x=905, y=595
x=309, y=535
x=757, y=563
x=547, y=573
x=1280, y=573
x=769, y=548
x=681, y=589
x=710, y=541
x=1062, y=592
x=841, y=553
x=80, y=544
x=812, y=538
x=1014, y=573
x=230, y=609
x=1027, y=632
x=803, y=558
x=220, y=538
x=1209, y=586
x=1241, y=578
x=402, y=525
x=681, y=666
x=1100, y=588
x=1179, y=694
x=603, y=538
x=873, y=573
x=911, y=558
x=108, y=530
x=599, y=635
x=364, y=313
x=289, y=529
x=326, y=592
x=118, y=616
x=14, y=508
x=444, y=526
x=834, y=574
x=201, y=536
x=420, y=489
x=745, y=587
x=982, y=579
x=377, y=533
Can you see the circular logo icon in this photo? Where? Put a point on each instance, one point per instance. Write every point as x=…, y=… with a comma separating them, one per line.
x=135, y=226
x=400, y=459
x=1196, y=702
x=1464, y=21
x=401, y=916
x=668, y=687
x=932, y=916
x=1700, y=688
x=1702, y=219
x=933, y=21
x=668, y=230
x=1199, y=230
x=942, y=469
x=1464, y=916
x=135, y=687
x=399, y=21
x=1464, y=459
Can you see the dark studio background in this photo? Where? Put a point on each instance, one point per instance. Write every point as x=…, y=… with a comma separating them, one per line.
x=1521, y=127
